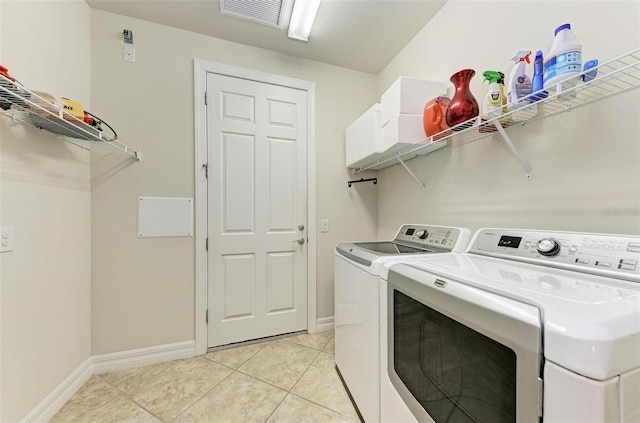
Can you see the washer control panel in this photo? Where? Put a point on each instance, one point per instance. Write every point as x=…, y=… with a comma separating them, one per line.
x=441, y=237
x=611, y=255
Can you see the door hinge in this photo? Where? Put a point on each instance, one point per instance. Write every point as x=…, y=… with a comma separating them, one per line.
x=206, y=170
x=206, y=244
x=206, y=317
x=206, y=98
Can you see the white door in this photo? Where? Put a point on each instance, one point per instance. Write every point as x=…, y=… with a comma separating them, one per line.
x=257, y=194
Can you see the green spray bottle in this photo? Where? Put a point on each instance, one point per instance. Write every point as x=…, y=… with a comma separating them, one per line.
x=495, y=101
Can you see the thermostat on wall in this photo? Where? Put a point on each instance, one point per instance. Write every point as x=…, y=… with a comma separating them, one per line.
x=127, y=35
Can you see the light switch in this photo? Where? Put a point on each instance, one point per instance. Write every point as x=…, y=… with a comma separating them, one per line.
x=324, y=225
x=6, y=239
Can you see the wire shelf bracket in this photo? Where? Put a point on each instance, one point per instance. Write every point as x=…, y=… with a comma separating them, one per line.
x=415, y=178
x=528, y=173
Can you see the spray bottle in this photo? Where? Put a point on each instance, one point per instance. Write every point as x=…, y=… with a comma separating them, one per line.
x=519, y=82
x=495, y=100
x=520, y=87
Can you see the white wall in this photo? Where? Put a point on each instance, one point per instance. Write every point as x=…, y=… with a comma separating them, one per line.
x=143, y=289
x=585, y=163
x=45, y=195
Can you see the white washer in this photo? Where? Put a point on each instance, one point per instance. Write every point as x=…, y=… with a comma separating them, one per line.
x=527, y=325
x=357, y=330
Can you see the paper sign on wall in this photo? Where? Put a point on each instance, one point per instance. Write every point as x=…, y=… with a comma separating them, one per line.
x=165, y=217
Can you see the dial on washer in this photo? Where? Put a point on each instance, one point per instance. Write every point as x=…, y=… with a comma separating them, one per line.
x=422, y=234
x=548, y=247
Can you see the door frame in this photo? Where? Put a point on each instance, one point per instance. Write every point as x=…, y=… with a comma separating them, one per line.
x=201, y=68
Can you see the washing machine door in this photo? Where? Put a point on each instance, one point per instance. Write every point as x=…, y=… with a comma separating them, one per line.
x=460, y=354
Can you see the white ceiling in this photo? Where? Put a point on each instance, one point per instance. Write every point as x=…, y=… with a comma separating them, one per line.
x=364, y=35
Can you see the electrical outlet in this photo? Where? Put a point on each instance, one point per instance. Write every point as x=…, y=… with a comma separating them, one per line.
x=324, y=225
x=6, y=239
x=129, y=53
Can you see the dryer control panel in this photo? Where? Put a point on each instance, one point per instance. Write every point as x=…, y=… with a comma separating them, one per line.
x=616, y=256
x=442, y=237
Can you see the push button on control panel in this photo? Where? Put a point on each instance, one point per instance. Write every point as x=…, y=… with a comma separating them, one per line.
x=633, y=247
x=603, y=264
x=628, y=264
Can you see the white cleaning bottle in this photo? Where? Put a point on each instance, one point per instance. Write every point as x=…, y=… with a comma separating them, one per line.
x=519, y=86
x=563, y=62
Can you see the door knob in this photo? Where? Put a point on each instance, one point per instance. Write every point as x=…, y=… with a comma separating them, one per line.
x=301, y=227
x=299, y=241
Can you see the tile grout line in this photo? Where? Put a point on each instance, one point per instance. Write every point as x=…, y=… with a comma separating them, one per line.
x=130, y=398
x=294, y=385
x=307, y=399
x=325, y=407
x=277, y=406
x=126, y=396
x=305, y=371
x=270, y=383
x=203, y=395
x=287, y=392
x=243, y=363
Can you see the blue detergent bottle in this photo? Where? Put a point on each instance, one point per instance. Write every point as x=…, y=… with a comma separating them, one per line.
x=537, y=81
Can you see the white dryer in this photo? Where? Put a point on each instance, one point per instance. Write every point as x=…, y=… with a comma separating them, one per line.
x=526, y=326
x=357, y=317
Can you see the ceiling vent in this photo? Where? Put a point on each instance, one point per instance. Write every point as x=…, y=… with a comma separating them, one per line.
x=273, y=13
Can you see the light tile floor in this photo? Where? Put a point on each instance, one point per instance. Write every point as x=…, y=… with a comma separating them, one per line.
x=290, y=379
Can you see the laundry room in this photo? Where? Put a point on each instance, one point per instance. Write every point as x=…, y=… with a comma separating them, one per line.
x=152, y=227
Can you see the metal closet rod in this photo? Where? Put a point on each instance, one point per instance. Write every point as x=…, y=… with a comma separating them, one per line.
x=356, y=181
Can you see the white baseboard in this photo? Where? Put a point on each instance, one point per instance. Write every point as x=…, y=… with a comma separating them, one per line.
x=324, y=324
x=60, y=395
x=104, y=363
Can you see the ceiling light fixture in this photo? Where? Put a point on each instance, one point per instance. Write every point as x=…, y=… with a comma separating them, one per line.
x=302, y=17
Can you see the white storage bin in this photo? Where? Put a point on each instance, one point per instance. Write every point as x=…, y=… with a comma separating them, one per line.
x=409, y=95
x=402, y=131
x=364, y=138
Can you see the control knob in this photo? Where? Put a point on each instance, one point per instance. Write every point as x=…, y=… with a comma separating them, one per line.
x=548, y=247
x=422, y=234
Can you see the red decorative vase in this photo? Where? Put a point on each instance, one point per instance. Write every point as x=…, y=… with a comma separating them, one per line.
x=463, y=106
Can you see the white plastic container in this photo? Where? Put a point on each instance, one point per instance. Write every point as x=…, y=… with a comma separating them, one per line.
x=564, y=60
x=408, y=96
x=364, y=138
x=402, y=131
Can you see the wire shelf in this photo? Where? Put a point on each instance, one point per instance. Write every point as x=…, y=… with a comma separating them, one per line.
x=23, y=105
x=608, y=79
